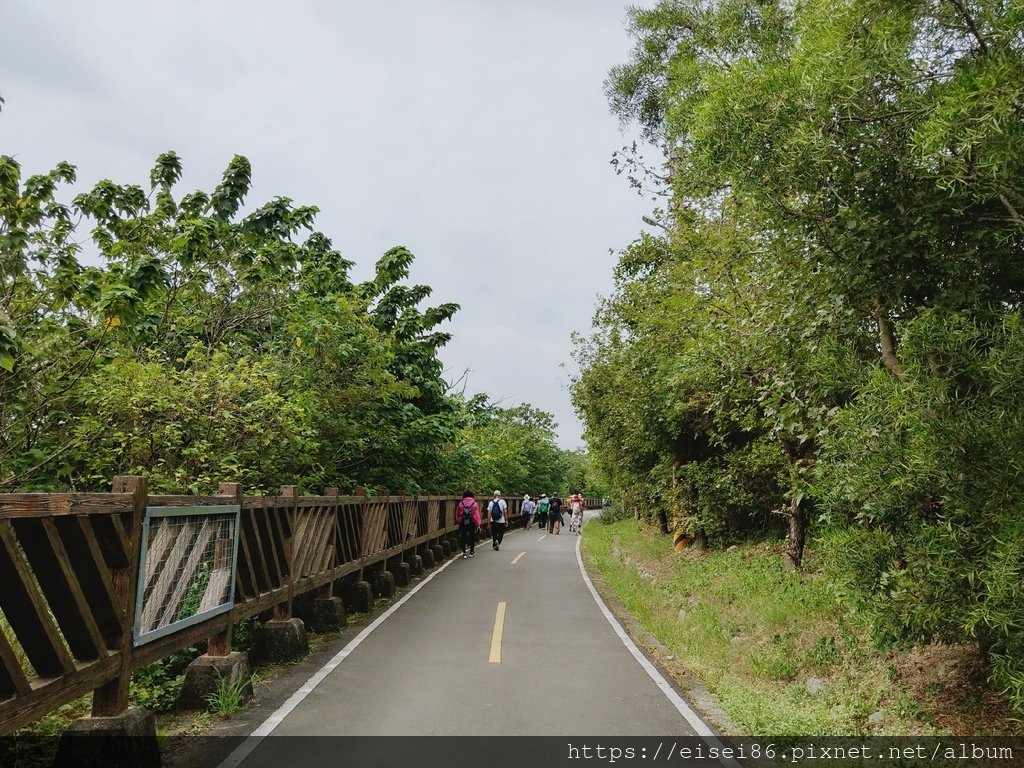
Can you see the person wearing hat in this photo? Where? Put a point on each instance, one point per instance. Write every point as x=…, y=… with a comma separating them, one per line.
x=527, y=509
x=542, y=511
x=555, y=514
x=576, y=505
x=496, y=509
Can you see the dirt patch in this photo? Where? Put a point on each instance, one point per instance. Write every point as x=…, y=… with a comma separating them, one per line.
x=951, y=683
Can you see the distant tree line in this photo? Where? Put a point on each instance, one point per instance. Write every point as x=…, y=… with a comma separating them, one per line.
x=822, y=334
x=144, y=331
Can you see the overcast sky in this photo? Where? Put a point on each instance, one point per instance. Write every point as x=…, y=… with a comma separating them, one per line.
x=474, y=132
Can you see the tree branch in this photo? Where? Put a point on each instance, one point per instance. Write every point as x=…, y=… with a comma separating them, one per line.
x=971, y=24
x=1011, y=210
x=887, y=338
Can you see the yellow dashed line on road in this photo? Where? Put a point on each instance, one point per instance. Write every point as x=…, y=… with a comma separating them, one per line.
x=518, y=558
x=542, y=537
x=499, y=625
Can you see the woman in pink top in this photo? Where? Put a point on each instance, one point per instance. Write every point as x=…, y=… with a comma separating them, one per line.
x=467, y=515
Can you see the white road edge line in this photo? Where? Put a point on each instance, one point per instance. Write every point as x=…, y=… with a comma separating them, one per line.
x=266, y=728
x=699, y=726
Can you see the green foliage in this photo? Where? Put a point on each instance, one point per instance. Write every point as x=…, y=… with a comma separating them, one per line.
x=926, y=470
x=725, y=497
x=828, y=324
x=230, y=696
x=185, y=427
x=157, y=686
x=509, y=449
x=35, y=745
x=583, y=477
x=194, y=596
x=778, y=660
x=212, y=345
x=752, y=631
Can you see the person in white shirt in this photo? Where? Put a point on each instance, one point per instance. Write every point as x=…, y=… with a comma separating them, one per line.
x=527, y=509
x=496, y=511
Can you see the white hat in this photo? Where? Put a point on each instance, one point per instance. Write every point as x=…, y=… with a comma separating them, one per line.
x=526, y=497
x=497, y=493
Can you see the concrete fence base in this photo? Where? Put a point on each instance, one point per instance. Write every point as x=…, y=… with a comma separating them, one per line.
x=280, y=641
x=127, y=740
x=207, y=674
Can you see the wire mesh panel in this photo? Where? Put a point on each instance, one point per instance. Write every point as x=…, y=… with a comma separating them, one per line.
x=187, y=571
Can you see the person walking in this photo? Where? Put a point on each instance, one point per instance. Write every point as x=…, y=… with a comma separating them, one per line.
x=542, y=511
x=555, y=514
x=527, y=509
x=576, y=505
x=496, y=509
x=467, y=515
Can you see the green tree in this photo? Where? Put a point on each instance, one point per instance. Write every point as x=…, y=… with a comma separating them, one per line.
x=509, y=449
x=840, y=269
x=146, y=361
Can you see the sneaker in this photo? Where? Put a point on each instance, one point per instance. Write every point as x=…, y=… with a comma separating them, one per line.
x=497, y=548
x=471, y=554
x=464, y=555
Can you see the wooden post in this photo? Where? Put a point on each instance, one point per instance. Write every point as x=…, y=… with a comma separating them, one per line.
x=112, y=698
x=283, y=611
x=362, y=493
x=220, y=643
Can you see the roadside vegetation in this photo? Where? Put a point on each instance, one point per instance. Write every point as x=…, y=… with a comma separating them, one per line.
x=781, y=652
x=154, y=331
x=821, y=336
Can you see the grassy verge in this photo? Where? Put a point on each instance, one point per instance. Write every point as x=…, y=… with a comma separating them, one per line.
x=778, y=650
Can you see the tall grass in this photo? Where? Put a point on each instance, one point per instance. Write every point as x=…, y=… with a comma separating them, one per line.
x=776, y=648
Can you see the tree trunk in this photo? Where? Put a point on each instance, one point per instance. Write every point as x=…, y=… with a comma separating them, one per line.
x=797, y=533
x=663, y=521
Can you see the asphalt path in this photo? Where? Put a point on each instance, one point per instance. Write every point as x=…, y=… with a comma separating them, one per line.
x=508, y=643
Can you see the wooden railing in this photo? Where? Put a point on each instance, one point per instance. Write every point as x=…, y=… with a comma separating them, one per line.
x=69, y=575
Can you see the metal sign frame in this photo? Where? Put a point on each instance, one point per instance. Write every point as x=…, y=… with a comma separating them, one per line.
x=141, y=638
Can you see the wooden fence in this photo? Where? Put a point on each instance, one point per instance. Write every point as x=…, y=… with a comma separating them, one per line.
x=69, y=570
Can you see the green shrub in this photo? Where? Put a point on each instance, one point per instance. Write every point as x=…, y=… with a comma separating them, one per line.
x=157, y=686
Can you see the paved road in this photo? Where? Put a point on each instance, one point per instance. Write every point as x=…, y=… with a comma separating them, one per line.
x=430, y=669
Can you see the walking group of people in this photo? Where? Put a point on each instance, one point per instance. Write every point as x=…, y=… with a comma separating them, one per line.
x=547, y=511
x=469, y=519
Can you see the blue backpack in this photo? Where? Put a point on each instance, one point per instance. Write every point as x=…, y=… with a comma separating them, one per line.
x=496, y=510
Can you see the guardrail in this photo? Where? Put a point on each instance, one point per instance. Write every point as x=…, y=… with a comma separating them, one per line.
x=97, y=585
